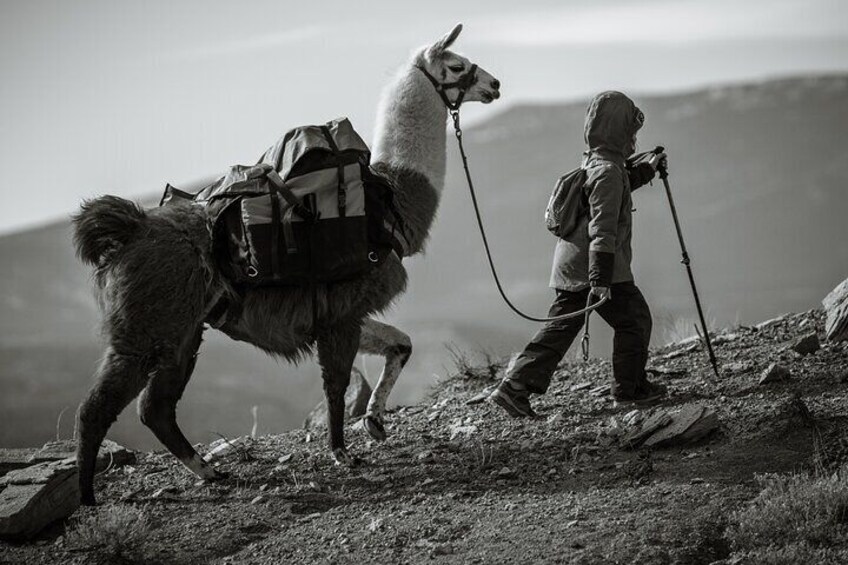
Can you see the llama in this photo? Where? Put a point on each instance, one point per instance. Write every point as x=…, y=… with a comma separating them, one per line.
x=155, y=274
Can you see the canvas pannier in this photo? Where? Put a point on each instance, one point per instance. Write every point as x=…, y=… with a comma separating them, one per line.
x=311, y=210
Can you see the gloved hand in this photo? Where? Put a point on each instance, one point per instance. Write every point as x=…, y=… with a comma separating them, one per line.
x=599, y=293
x=658, y=160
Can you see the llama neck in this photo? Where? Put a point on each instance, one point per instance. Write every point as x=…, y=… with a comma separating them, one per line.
x=410, y=130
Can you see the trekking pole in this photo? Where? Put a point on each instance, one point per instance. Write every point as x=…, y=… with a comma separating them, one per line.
x=687, y=262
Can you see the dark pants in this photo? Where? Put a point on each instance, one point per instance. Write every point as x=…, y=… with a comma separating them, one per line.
x=626, y=312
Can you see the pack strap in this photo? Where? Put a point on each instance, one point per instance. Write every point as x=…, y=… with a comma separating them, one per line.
x=283, y=190
x=216, y=310
x=342, y=191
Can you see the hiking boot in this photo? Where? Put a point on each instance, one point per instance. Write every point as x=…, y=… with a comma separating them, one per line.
x=646, y=393
x=515, y=401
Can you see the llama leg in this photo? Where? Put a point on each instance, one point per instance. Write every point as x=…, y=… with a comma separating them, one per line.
x=336, y=352
x=388, y=341
x=157, y=407
x=119, y=379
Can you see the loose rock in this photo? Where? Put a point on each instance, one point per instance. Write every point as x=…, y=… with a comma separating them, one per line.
x=737, y=367
x=807, y=344
x=480, y=397
x=774, y=373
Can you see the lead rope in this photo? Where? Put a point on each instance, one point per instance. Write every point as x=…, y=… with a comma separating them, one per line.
x=584, y=341
x=589, y=307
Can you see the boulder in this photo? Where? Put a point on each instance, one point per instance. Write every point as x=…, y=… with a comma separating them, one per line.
x=34, y=496
x=836, y=307
x=807, y=345
x=356, y=402
x=774, y=373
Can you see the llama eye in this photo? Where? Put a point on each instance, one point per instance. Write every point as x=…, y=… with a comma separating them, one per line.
x=457, y=68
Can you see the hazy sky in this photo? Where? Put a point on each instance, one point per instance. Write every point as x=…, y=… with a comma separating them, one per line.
x=120, y=97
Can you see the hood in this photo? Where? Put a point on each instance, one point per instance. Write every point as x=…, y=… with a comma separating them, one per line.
x=611, y=122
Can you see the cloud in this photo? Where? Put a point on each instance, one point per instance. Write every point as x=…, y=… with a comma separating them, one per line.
x=667, y=21
x=253, y=44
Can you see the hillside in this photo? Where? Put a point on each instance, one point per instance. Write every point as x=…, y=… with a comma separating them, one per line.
x=459, y=482
x=758, y=172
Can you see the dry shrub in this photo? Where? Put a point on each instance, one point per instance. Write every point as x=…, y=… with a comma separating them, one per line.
x=794, y=519
x=482, y=366
x=113, y=534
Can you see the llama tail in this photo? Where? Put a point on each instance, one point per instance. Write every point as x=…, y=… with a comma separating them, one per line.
x=103, y=226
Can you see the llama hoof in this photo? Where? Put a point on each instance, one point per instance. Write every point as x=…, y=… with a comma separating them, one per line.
x=88, y=500
x=201, y=469
x=342, y=457
x=216, y=475
x=373, y=424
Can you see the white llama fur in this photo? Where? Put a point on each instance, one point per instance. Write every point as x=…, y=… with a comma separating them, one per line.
x=410, y=130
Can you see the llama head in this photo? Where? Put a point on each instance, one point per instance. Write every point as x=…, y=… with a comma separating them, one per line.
x=447, y=67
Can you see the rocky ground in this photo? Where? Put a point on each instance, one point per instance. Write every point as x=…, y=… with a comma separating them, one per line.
x=460, y=482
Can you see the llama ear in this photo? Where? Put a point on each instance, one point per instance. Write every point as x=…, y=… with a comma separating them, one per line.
x=436, y=50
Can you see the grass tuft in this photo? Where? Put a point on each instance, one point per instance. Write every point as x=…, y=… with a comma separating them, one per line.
x=795, y=517
x=114, y=534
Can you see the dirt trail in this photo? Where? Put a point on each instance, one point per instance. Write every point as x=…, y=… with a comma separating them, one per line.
x=464, y=483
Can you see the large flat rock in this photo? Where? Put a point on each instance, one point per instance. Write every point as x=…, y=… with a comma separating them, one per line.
x=43, y=492
x=646, y=428
x=690, y=424
x=15, y=458
x=666, y=429
x=34, y=497
x=64, y=449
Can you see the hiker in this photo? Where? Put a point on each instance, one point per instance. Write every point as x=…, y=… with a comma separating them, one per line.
x=594, y=261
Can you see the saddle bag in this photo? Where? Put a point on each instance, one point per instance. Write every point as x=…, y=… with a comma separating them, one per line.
x=310, y=211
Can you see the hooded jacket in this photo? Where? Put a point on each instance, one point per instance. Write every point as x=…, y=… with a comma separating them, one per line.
x=598, y=251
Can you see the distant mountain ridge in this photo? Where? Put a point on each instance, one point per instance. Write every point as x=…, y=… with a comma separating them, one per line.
x=758, y=171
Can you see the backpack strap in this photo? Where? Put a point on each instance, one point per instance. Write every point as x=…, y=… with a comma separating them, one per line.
x=342, y=192
x=283, y=190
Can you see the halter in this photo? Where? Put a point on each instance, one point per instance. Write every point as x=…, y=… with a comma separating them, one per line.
x=465, y=81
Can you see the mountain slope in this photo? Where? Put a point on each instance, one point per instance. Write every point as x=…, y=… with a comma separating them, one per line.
x=464, y=483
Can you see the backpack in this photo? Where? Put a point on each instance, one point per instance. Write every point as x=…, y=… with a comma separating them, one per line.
x=310, y=211
x=568, y=203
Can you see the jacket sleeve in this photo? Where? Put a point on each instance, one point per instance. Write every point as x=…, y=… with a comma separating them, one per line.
x=640, y=175
x=604, y=208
